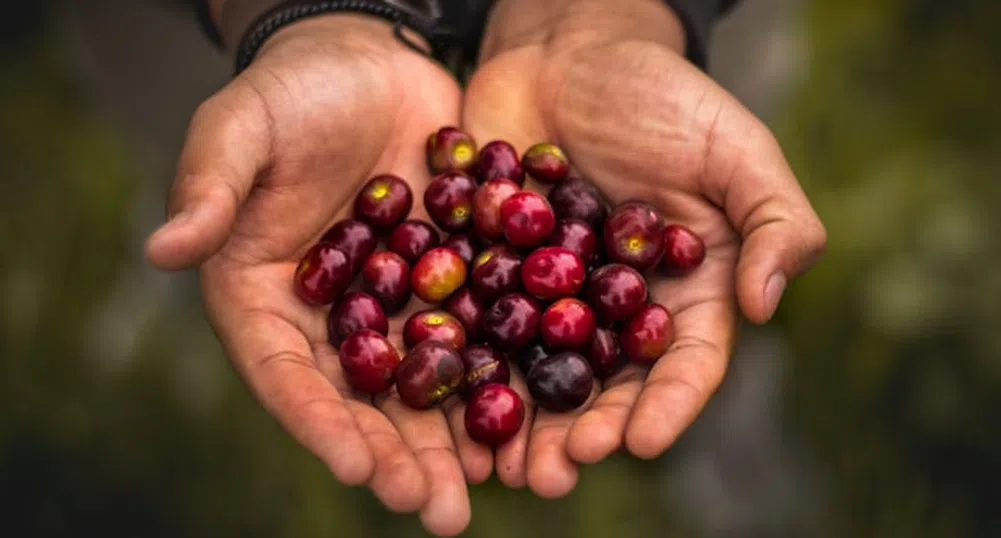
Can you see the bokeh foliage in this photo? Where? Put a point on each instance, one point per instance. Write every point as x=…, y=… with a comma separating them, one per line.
x=895, y=379
x=898, y=332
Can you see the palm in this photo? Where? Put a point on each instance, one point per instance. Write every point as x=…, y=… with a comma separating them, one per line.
x=654, y=142
x=326, y=123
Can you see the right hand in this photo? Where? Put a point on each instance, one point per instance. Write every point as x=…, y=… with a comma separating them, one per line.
x=269, y=164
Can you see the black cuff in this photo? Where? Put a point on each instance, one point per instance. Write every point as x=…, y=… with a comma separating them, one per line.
x=698, y=17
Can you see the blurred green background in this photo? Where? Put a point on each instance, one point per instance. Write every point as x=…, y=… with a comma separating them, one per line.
x=869, y=407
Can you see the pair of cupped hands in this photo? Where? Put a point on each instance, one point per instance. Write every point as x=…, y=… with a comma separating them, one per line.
x=277, y=156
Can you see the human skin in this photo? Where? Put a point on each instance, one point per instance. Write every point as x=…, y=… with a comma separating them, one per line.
x=328, y=103
x=609, y=83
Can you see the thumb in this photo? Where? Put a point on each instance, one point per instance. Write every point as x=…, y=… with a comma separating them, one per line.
x=227, y=144
x=781, y=234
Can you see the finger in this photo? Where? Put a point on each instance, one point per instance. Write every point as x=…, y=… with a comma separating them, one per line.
x=512, y=457
x=397, y=480
x=551, y=473
x=277, y=363
x=227, y=144
x=447, y=511
x=477, y=459
x=782, y=235
x=601, y=429
x=681, y=382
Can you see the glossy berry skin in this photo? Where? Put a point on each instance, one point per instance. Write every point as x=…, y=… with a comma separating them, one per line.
x=616, y=292
x=356, y=311
x=647, y=335
x=512, y=322
x=438, y=273
x=546, y=163
x=355, y=238
x=568, y=325
x=526, y=357
x=634, y=235
x=560, y=382
x=449, y=201
x=552, y=273
x=496, y=271
x=322, y=275
x=384, y=202
x=527, y=219
x=465, y=308
x=486, y=208
x=436, y=325
x=498, y=159
x=494, y=414
x=431, y=372
x=411, y=239
x=577, y=198
x=449, y=149
x=606, y=357
x=683, y=251
x=386, y=276
x=576, y=235
x=368, y=360
x=463, y=244
x=483, y=365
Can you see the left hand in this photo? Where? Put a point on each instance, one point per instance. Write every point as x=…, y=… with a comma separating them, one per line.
x=609, y=83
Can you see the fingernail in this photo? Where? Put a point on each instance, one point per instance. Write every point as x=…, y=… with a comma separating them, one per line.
x=774, y=288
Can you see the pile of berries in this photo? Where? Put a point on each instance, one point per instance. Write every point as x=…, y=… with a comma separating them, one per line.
x=553, y=284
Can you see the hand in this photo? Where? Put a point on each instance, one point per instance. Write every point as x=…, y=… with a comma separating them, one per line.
x=270, y=162
x=611, y=86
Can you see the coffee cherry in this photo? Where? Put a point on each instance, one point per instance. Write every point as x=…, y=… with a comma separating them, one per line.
x=384, y=202
x=496, y=271
x=575, y=234
x=546, y=163
x=634, y=235
x=411, y=239
x=494, y=414
x=526, y=357
x=438, y=273
x=616, y=292
x=568, y=325
x=512, y=322
x=483, y=365
x=498, y=159
x=431, y=372
x=436, y=325
x=465, y=308
x=386, y=276
x=606, y=357
x=486, y=208
x=648, y=334
x=683, y=251
x=560, y=382
x=551, y=273
x=368, y=360
x=449, y=201
x=527, y=219
x=355, y=238
x=449, y=149
x=463, y=244
x=322, y=275
x=577, y=198
x=356, y=311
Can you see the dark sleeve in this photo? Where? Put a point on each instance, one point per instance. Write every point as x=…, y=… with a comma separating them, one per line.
x=201, y=8
x=699, y=17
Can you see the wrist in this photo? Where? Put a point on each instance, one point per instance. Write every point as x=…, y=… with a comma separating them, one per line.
x=234, y=19
x=568, y=24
